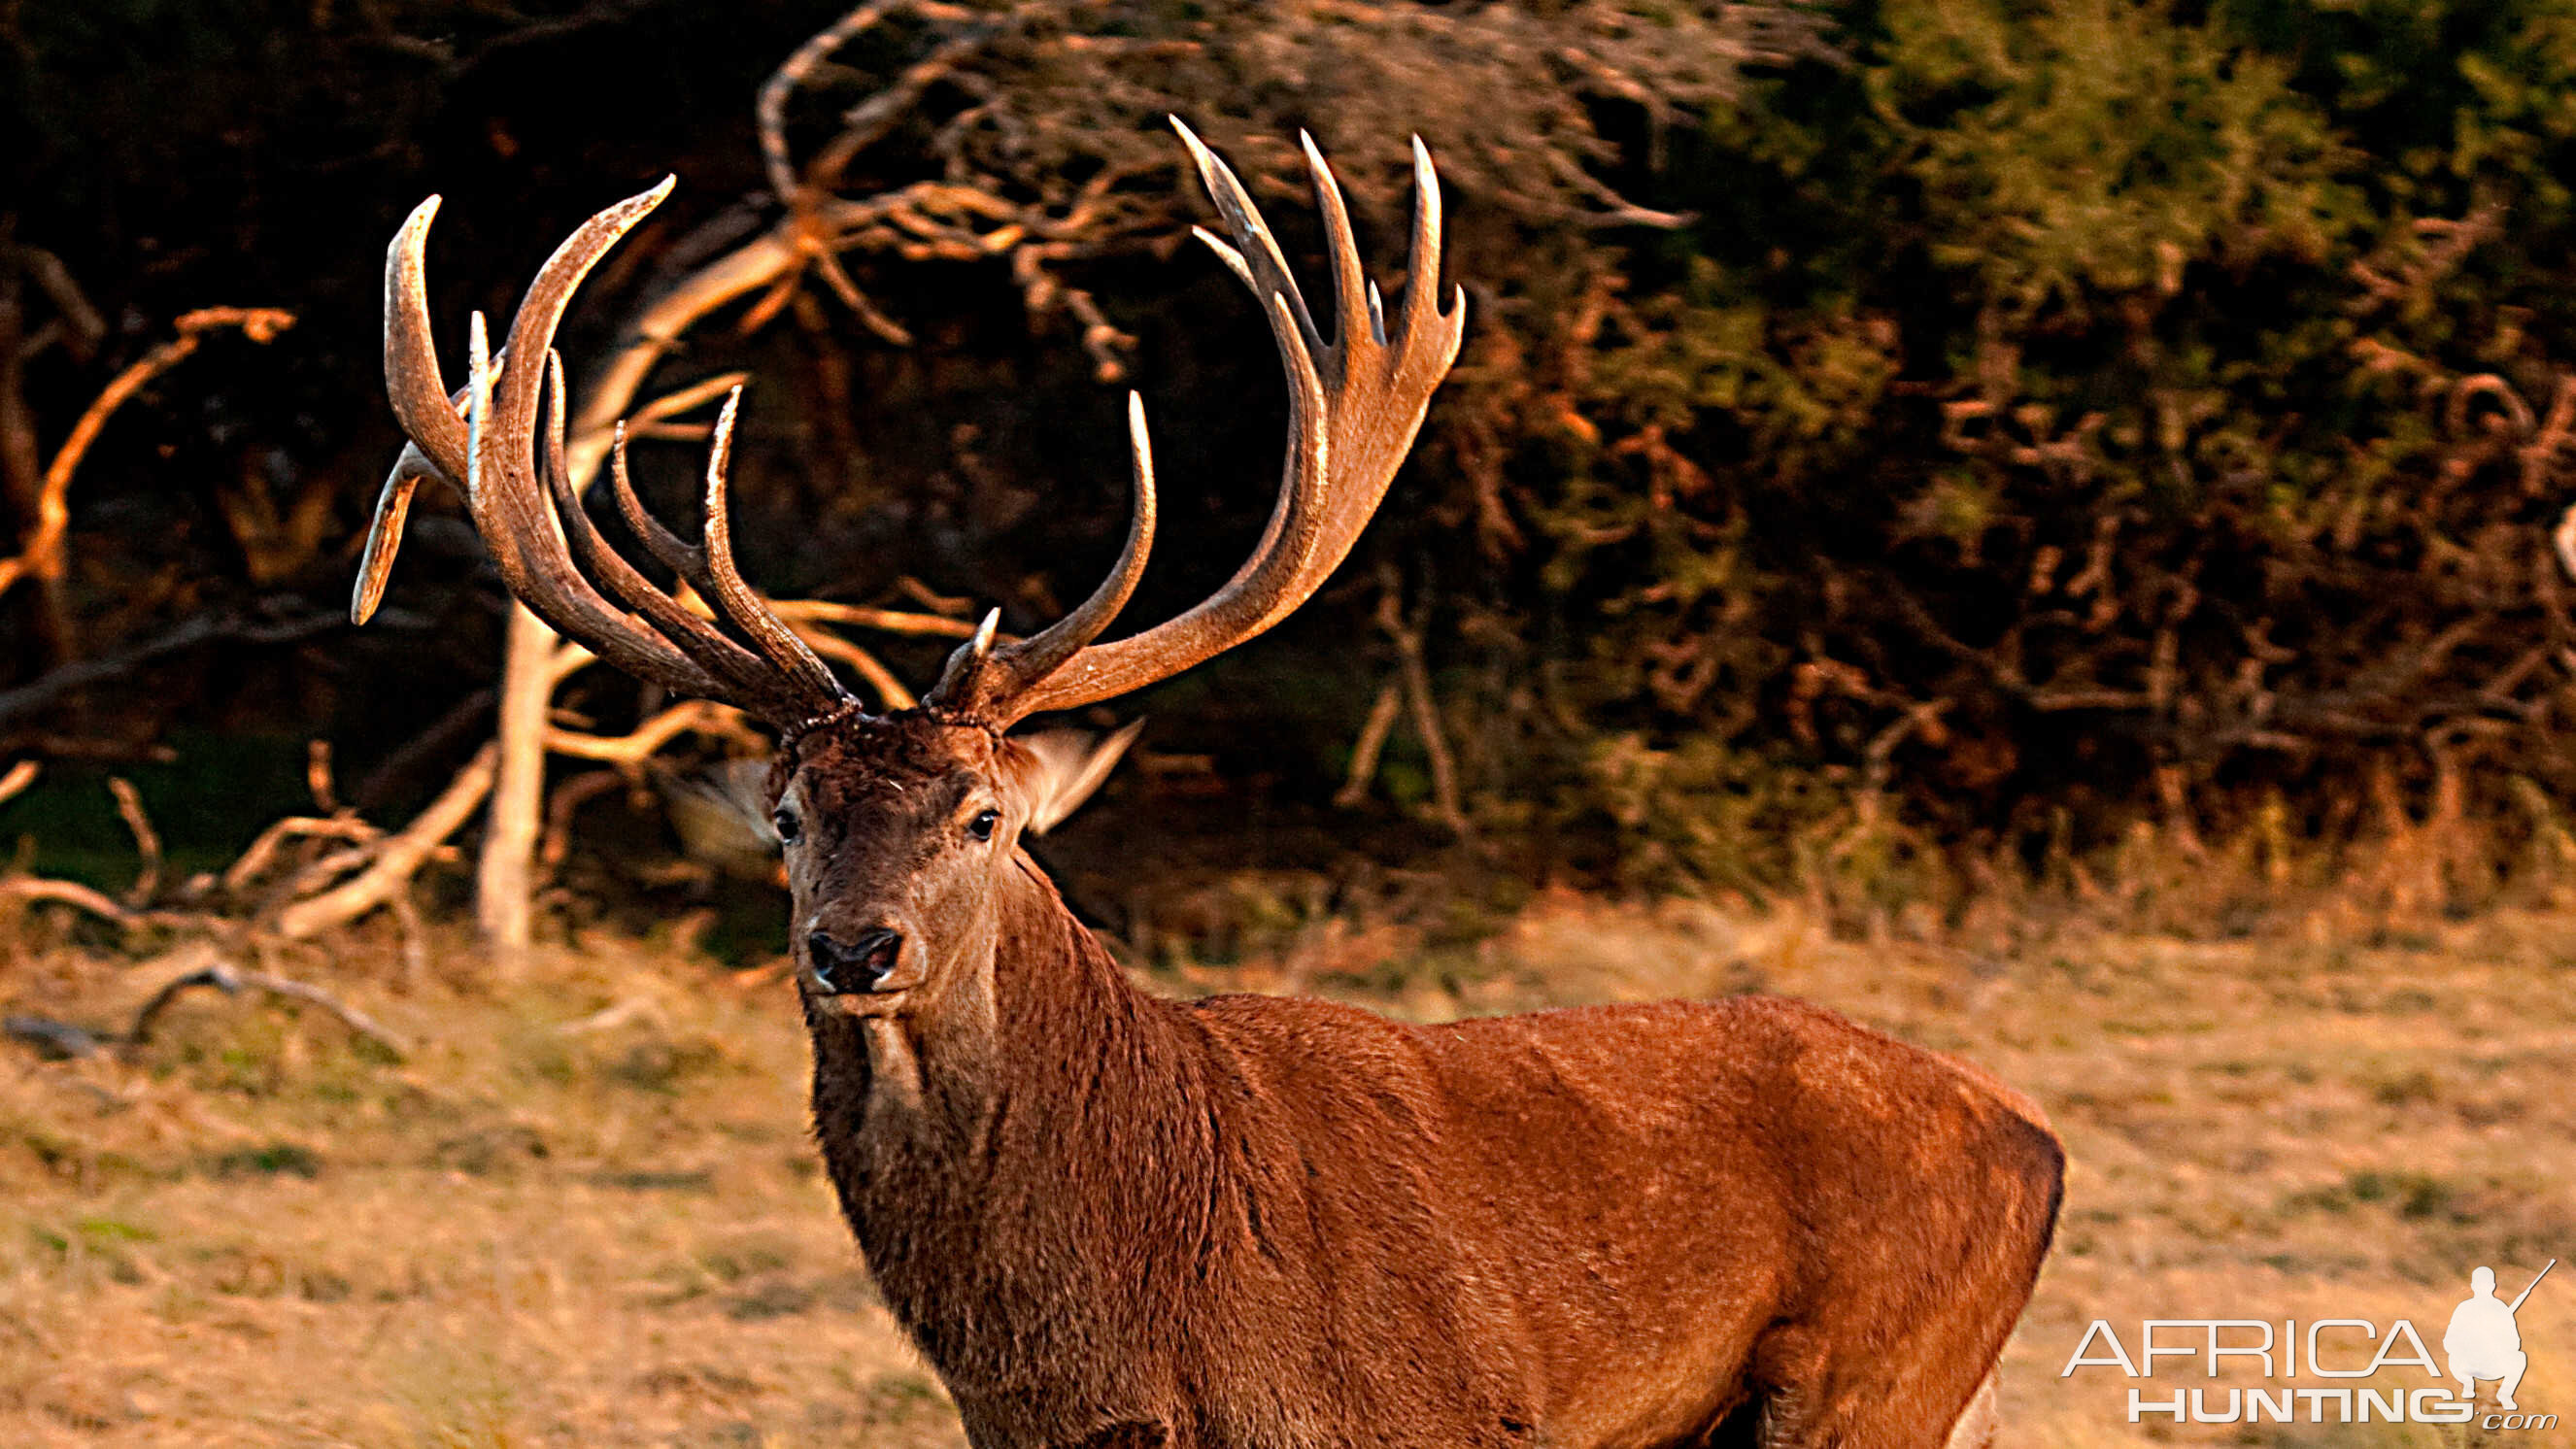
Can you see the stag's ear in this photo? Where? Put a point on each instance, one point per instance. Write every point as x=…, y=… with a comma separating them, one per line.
x=722, y=816
x=1060, y=768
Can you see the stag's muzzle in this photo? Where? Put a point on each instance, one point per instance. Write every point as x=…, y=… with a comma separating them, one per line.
x=870, y=963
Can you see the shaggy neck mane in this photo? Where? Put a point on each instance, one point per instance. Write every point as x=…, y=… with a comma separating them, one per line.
x=1040, y=1176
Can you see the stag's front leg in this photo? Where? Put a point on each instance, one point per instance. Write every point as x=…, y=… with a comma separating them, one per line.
x=1976, y=1427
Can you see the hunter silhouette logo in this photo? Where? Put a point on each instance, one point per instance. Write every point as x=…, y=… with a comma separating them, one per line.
x=2484, y=1342
x=2482, y=1345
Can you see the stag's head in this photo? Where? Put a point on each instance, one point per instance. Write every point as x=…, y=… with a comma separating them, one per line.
x=898, y=830
x=900, y=827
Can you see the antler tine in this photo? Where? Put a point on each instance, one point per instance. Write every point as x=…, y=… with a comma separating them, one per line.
x=524, y=507
x=1411, y=366
x=1354, y=407
x=1350, y=286
x=744, y=674
x=978, y=675
x=421, y=403
x=1422, y=260
x=709, y=567
x=419, y=395
x=677, y=555
x=724, y=585
x=1258, y=260
x=384, y=531
x=549, y=295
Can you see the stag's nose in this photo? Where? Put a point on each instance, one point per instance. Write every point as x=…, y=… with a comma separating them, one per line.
x=859, y=964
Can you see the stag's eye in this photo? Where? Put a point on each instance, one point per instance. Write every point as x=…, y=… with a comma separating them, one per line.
x=981, y=827
x=788, y=826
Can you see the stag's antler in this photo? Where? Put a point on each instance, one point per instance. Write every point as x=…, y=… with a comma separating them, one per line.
x=1354, y=407
x=485, y=442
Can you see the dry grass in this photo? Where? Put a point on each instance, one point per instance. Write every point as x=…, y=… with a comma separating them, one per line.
x=542, y=1229
x=263, y=1233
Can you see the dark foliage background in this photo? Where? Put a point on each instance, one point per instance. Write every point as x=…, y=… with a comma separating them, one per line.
x=1908, y=454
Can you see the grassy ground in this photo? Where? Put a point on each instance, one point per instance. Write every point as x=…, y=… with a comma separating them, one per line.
x=583, y=1209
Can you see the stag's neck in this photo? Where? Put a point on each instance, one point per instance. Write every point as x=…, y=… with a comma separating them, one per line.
x=1013, y=1153
x=1059, y=1033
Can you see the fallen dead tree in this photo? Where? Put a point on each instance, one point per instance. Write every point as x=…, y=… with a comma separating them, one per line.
x=303, y=877
x=62, y=1039
x=335, y=868
x=233, y=981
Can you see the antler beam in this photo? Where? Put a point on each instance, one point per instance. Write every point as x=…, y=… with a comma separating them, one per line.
x=485, y=441
x=1354, y=407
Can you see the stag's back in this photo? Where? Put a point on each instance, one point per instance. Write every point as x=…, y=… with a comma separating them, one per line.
x=1606, y=1220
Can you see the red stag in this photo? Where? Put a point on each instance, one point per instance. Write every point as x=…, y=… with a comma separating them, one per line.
x=1112, y=1219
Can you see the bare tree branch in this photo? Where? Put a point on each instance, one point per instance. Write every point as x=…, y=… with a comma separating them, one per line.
x=400, y=856
x=1425, y=709
x=1365, y=750
x=217, y=627
x=147, y=843
x=64, y=892
x=697, y=716
x=41, y=556
x=255, y=862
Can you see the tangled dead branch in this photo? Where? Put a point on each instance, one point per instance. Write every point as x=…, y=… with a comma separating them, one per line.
x=1042, y=121
x=369, y=869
